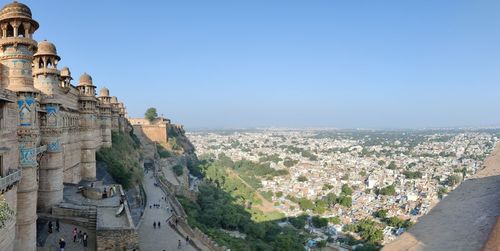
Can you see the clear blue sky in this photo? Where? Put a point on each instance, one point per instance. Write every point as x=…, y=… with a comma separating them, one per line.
x=378, y=64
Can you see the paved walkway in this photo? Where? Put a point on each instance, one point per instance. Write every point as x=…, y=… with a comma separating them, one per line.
x=164, y=238
x=66, y=232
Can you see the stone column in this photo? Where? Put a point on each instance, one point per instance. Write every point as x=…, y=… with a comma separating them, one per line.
x=28, y=135
x=88, y=144
x=51, y=176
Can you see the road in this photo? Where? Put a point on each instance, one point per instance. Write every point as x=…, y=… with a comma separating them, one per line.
x=164, y=238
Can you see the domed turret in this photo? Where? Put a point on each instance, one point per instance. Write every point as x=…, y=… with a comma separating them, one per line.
x=104, y=92
x=15, y=9
x=66, y=73
x=18, y=11
x=85, y=79
x=46, y=48
x=114, y=100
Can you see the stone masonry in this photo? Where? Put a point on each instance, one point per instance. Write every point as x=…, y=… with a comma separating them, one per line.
x=50, y=129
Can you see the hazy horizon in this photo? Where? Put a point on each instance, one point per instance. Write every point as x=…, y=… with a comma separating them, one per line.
x=226, y=64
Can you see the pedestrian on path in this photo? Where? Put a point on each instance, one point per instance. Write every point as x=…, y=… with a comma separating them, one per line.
x=75, y=232
x=85, y=237
x=62, y=244
x=159, y=224
x=57, y=225
x=187, y=239
x=80, y=236
x=50, y=227
x=179, y=245
x=154, y=224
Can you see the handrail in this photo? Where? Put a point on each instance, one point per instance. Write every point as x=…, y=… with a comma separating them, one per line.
x=11, y=178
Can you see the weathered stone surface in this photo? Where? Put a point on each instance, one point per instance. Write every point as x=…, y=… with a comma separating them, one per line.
x=49, y=129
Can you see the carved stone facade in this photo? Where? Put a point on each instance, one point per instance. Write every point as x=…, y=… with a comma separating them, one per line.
x=50, y=129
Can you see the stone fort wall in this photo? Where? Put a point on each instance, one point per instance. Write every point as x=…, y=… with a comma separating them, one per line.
x=156, y=130
x=50, y=129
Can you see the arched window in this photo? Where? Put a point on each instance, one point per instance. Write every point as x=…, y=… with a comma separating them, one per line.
x=21, y=31
x=40, y=63
x=10, y=31
x=49, y=63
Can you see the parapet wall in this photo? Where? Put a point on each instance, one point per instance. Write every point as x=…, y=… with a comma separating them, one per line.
x=156, y=130
x=122, y=239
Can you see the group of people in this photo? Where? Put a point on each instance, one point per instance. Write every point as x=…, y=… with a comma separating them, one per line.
x=79, y=237
x=157, y=224
x=154, y=205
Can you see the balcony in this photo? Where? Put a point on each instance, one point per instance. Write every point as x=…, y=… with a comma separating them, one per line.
x=11, y=178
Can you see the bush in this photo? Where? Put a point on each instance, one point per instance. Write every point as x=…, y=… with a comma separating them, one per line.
x=164, y=153
x=319, y=222
x=122, y=159
x=388, y=190
x=178, y=170
x=6, y=212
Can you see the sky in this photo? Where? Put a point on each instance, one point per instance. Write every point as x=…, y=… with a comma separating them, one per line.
x=261, y=63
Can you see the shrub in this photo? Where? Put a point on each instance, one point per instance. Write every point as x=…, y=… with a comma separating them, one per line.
x=178, y=170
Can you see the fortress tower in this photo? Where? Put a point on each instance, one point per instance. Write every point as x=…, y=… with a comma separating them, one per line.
x=16, y=56
x=105, y=116
x=115, y=114
x=88, y=125
x=46, y=78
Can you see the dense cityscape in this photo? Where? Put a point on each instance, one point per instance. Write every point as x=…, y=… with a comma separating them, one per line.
x=351, y=176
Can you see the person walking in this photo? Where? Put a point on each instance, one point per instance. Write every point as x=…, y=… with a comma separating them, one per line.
x=159, y=224
x=75, y=233
x=187, y=239
x=50, y=227
x=154, y=225
x=62, y=244
x=80, y=236
x=58, y=227
x=179, y=245
x=85, y=237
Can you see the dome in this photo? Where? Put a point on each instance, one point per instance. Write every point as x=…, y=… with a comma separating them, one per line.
x=114, y=99
x=46, y=48
x=15, y=9
x=85, y=79
x=18, y=11
x=104, y=92
x=65, y=72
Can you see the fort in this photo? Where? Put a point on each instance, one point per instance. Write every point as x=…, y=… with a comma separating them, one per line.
x=50, y=129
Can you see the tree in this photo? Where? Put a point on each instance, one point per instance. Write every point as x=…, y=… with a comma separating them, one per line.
x=442, y=191
x=346, y=190
x=302, y=178
x=319, y=222
x=331, y=199
x=412, y=175
x=388, y=190
x=345, y=201
x=454, y=179
x=298, y=222
x=327, y=187
x=334, y=220
x=392, y=165
x=382, y=213
x=320, y=206
x=151, y=114
x=305, y=204
x=381, y=162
